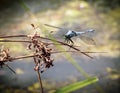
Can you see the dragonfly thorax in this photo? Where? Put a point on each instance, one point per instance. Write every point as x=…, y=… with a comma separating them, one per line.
x=70, y=34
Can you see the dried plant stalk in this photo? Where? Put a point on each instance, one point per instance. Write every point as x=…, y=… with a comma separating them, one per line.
x=42, y=52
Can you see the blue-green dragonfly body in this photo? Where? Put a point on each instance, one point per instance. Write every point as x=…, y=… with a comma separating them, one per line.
x=71, y=33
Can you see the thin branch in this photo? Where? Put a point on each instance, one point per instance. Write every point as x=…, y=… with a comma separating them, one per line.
x=29, y=56
x=38, y=73
x=11, y=36
x=16, y=58
x=14, y=41
x=76, y=51
x=40, y=81
x=28, y=41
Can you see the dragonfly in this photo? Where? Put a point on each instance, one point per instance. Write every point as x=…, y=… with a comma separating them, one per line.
x=72, y=33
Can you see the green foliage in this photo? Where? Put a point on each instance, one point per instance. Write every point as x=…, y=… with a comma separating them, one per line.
x=23, y=5
x=106, y=3
x=77, y=85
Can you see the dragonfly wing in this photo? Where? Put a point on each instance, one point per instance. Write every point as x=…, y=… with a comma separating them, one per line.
x=60, y=33
x=87, y=40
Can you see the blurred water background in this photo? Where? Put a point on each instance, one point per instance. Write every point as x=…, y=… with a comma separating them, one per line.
x=101, y=15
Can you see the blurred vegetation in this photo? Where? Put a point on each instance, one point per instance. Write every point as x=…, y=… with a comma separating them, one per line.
x=105, y=3
x=103, y=15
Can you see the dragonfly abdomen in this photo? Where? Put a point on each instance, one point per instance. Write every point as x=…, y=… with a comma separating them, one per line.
x=83, y=32
x=79, y=33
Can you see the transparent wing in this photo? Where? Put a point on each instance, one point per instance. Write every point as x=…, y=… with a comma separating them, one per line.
x=59, y=33
x=83, y=28
x=87, y=36
x=87, y=40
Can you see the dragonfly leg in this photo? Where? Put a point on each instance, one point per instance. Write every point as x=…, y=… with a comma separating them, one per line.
x=71, y=40
x=66, y=40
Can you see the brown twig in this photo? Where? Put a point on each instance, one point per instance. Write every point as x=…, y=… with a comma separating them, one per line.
x=75, y=51
x=29, y=56
x=40, y=81
x=14, y=41
x=38, y=74
x=16, y=58
x=12, y=36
